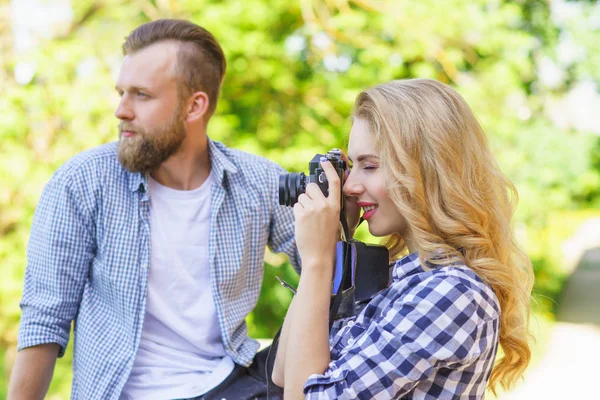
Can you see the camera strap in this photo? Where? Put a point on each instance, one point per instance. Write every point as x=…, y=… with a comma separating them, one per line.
x=346, y=274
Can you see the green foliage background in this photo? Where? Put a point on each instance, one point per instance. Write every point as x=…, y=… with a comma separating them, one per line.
x=294, y=70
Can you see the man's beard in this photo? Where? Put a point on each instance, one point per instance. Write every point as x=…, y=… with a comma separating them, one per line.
x=149, y=148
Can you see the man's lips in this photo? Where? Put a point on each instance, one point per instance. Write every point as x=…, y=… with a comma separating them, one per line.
x=372, y=209
x=127, y=133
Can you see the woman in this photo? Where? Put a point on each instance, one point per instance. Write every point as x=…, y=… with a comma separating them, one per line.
x=426, y=181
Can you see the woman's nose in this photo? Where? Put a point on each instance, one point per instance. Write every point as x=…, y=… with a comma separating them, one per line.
x=352, y=186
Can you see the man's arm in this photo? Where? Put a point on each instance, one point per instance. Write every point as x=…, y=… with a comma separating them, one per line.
x=32, y=372
x=281, y=235
x=59, y=254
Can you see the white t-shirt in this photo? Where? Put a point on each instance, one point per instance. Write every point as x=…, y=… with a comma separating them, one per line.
x=180, y=353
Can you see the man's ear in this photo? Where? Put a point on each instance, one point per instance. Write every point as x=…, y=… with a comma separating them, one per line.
x=197, y=107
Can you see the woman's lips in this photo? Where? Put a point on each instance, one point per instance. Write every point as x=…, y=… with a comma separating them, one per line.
x=372, y=210
x=369, y=214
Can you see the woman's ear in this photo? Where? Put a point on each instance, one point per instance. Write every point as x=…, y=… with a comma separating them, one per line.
x=198, y=107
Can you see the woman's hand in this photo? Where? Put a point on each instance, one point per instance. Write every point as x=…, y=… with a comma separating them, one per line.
x=317, y=221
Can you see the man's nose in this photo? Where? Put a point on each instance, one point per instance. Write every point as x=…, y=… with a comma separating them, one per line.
x=124, y=110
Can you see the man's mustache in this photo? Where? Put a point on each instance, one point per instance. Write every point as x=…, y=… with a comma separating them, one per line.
x=123, y=127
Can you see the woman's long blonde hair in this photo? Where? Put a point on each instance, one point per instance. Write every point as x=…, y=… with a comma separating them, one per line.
x=458, y=205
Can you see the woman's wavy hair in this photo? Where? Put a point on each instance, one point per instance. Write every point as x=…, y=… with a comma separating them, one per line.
x=442, y=176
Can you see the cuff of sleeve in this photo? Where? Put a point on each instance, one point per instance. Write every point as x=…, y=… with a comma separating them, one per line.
x=38, y=328
x=31, y=342
x=331, y=376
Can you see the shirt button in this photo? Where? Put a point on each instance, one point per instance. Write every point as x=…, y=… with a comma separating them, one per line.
x=350, y=324
x=350, y=342
x=336, y=374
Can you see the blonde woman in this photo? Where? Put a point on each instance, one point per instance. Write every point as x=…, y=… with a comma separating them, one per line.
x=426, y=181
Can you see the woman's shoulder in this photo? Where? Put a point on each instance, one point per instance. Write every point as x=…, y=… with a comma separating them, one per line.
x=448, y=284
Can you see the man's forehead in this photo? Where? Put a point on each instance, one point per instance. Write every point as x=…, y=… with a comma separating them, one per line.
x=156, y=59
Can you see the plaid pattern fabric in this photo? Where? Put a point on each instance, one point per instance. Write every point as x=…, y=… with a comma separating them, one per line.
x=430, y=335
x=89, y=254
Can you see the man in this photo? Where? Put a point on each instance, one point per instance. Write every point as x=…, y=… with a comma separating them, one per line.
x=153, y=245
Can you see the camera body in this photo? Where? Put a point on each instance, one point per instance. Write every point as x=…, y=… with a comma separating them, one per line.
x=292, y=185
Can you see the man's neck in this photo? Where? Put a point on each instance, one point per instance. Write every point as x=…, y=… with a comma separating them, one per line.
x=187, y=169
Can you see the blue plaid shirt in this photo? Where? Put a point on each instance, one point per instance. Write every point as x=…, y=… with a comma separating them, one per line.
x=89, y=254
x=430, y=335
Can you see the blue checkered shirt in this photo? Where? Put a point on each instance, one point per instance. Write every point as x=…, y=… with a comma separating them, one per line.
x=89, y=254
x=430, y=335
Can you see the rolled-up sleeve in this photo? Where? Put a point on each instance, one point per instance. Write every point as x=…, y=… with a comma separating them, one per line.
x=59, y=254
x=439, y=323
x=282, y=236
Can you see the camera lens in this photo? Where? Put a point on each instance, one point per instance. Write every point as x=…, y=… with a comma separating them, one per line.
x=291, y=186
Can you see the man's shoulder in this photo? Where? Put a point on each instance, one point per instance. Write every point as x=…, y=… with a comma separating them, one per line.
x=90, y=163
x=248, y=163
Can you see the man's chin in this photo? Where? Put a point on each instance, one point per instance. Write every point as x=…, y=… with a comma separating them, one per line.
x=130, y=166
x=139, y=155
x=129, y=159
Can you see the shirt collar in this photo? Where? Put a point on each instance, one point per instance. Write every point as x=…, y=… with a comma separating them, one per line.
x=407, y=265
x=218, y=160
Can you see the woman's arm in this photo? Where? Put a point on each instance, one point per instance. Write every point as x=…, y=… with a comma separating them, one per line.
x=278, y=369
x=305, y=335
x=307, y=347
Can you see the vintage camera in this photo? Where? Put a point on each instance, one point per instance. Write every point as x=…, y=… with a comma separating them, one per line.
x=292, y=185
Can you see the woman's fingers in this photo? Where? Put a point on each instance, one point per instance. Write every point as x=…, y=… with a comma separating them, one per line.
x=304, y=200
x=313, y=197
x=334, y=183
x=313, y=191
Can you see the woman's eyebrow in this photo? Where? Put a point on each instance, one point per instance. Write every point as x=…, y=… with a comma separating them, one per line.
x=363, y=157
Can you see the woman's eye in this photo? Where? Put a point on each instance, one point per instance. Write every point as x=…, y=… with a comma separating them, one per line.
x=370, y=167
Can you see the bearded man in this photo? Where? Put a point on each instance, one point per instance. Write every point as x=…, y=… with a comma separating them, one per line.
x=153, y=245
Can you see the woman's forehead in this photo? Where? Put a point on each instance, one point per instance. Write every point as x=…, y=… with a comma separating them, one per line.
x=361, y=141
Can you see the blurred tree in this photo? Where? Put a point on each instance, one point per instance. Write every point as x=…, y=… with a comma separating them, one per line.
x=529, y=70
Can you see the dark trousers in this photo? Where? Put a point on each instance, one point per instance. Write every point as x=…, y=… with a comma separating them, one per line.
x=248, y=383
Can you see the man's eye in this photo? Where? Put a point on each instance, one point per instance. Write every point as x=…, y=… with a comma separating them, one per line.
x=142, y=94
